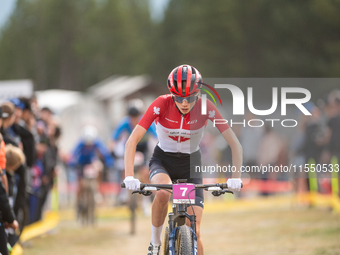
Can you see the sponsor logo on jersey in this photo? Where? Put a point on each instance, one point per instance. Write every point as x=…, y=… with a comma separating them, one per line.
x=174, y=121
x=182, y=139
x=192, y=122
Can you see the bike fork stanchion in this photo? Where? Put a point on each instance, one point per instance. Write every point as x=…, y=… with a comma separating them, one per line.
x=194, y=242
x=193, y=222
x=193, y=233
x=171, y=233
x=172, y=242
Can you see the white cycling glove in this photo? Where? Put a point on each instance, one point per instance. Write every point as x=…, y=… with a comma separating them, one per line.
x=234, y=184
x=131, y=183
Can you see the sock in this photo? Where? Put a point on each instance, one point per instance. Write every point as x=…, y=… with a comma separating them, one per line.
x=156, y=235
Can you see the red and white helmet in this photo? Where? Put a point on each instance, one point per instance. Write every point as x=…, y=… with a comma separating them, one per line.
x=186, y=73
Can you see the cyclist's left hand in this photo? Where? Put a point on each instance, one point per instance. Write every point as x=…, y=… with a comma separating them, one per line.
x=234, y=184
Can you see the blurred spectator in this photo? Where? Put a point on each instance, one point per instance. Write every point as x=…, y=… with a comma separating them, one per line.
x=7, y=219
x=17, y=117
x=8, y=118
x=14, y=158
x=50, y=159
x=3, y=176
x=315, y=135
x=29, y=148
x=37, y=172
x=334, y=125
x=19, y=181
x=44, y=120
x=23, y=129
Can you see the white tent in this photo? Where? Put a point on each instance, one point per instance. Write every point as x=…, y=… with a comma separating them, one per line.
x=15, y=88
x=58, y=100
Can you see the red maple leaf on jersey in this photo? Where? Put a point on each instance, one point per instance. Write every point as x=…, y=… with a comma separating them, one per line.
x=182, y=139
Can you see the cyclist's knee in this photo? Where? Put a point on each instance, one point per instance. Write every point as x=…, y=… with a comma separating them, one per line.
x=162, y=196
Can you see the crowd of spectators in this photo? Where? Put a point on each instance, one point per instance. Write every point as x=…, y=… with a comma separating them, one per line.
x=28, y=159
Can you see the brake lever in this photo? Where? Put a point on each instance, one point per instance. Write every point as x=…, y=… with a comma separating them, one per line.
x=147, y=193
x=227, y=191
x=216, y=193
x=143, y=192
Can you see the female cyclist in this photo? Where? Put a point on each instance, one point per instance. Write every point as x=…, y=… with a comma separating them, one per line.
x=180, y=126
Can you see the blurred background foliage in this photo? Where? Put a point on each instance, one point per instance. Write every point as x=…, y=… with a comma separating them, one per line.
x=71, y=44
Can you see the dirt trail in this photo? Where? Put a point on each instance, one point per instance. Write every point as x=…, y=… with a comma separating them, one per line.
x=278, y=231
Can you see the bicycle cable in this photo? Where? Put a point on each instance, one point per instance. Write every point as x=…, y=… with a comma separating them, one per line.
x=168, y=191
x=193, y=211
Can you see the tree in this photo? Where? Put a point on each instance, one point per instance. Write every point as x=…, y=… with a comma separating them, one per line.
x=73, y=44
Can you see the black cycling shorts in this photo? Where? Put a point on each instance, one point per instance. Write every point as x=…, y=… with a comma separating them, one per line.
x=177, y=166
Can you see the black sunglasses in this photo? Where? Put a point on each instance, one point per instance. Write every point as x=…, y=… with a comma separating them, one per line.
x=188, y=99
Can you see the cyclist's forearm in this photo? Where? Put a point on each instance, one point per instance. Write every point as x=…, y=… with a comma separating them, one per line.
x=237, y=160
x=236, y=149
x=130, y=149
x=129, y=155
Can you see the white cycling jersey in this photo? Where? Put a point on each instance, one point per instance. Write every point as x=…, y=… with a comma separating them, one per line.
x=177, y=132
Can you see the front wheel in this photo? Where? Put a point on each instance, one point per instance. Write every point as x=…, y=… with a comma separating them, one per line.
x=183, y=242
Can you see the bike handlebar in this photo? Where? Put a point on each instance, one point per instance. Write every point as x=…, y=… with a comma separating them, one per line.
x=169, y=186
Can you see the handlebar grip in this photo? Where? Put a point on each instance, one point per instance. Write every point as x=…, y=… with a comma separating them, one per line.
x=122, y=185
x=225, y=186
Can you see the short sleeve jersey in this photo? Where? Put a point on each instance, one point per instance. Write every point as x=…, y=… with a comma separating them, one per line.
x=177, y=132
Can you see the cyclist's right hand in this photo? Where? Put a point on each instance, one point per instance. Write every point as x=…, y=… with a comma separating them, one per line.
x=131, y=183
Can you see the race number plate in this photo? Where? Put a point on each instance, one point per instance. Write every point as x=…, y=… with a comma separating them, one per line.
x=183, y=193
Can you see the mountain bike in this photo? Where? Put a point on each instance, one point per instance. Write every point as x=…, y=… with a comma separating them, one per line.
x=88, y=187
x=179, y=238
